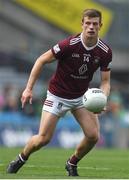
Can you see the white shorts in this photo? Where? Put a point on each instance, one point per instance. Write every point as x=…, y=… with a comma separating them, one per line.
x=59, y=106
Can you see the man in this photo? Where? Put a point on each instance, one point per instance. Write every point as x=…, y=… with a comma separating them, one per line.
x=78, y=58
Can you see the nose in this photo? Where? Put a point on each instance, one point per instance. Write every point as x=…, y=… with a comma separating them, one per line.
x=91, y=26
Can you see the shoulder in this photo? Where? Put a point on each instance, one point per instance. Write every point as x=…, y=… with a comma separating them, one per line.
x=104, y=47
x=71, y=40
x=75, y=39
x=66, y=44
x=64, y=47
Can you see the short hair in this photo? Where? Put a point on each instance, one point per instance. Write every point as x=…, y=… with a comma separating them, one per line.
x=92, y=13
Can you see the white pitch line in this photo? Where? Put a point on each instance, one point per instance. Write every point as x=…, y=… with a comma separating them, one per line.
x=96, y=168
x=59, y=167
x=92, y=168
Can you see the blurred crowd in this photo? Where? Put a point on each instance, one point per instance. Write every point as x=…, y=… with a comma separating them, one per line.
x=10, y=101
x=114, y=123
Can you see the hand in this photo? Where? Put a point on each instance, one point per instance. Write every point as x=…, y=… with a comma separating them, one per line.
x=104, y=110
x=26, y=97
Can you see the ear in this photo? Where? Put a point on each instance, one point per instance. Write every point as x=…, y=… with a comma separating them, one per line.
x=82, y=24
x=100, y=25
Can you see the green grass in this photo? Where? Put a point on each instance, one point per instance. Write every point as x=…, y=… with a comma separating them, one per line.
x=49, y=163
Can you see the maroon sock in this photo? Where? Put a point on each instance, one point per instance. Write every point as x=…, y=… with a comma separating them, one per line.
x=74, y=160
x=23, y=157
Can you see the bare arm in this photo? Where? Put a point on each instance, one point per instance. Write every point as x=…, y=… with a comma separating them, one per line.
x=105, y=82
x=45, y=58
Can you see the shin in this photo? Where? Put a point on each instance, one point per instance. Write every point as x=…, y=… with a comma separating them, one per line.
x=34, y=144
x=85, y=146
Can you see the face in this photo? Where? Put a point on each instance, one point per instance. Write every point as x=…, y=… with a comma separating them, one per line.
x=91, y=27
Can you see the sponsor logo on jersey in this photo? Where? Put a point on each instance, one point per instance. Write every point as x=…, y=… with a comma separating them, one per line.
x=56, y=48
x=78, y=77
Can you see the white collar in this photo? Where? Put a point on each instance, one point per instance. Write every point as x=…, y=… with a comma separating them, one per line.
x=86, y=47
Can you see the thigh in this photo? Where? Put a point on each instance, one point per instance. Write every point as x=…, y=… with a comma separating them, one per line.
x=48, y=124
x=88, y=121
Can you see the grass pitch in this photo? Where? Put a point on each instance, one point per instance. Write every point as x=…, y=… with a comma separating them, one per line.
x=48, y=163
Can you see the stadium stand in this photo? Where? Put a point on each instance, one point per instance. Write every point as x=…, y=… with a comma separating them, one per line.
x=24, y=36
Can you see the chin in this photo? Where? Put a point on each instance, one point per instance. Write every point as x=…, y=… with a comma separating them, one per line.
x=91, y=36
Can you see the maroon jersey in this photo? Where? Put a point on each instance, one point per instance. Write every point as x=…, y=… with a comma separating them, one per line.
x=76, y=66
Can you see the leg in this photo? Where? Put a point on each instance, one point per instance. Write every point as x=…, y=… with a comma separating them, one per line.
x=90, y=126
x=46, y=130
x=47, y=127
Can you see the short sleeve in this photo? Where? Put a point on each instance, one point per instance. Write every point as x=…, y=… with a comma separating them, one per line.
x=60, y=50
x=107, y=61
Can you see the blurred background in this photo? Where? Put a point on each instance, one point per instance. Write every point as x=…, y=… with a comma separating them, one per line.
x=30, y=27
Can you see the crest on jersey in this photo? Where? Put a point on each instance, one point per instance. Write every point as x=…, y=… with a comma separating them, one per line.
x=56, y=48
x=96, y=60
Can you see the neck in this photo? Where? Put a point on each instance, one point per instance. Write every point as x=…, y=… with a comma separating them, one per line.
x=89, y=41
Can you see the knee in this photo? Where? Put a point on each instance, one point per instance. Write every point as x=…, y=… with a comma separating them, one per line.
x=41, y=140
x=94, y=136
